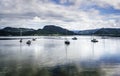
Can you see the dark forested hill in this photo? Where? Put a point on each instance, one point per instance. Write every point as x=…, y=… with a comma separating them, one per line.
x=101, y=32
x=47, y=30
x=56, y=30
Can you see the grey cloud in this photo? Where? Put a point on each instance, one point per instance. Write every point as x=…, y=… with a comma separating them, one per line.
x=15, y=12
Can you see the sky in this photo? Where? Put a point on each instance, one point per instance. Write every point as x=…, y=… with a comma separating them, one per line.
x=69, y=14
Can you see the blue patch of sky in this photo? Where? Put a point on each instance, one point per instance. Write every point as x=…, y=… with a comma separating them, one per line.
x=108, y=10
x=56, y=1
x=104, y=11
x=67, y=3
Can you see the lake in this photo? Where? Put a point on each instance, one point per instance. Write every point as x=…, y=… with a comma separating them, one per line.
x=51, y=51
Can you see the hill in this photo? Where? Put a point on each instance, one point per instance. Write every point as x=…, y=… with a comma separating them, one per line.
x=56, y=30
x=101, y=32
x=47, y=30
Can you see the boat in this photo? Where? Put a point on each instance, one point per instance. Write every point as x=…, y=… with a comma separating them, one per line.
x=74, y=38
x=28, y=42
x=67, y=42
x=94, y=40
x=20, y=40
x=34, y=39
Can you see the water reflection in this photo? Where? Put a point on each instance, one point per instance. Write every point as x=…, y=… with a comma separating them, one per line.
x=16, y=57
x=66, y=53
x=79, y=49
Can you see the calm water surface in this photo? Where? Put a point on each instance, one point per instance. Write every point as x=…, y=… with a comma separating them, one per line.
x=51, y=51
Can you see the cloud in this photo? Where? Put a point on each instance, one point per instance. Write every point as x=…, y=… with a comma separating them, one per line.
x=66, y=13
x=113, y=3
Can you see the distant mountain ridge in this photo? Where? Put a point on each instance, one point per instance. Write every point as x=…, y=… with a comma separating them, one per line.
x=56, y=30
x=47, y=30
x=17, y=29
x=102, y=32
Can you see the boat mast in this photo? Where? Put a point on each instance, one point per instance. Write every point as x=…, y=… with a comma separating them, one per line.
x=20, y=35
x=66, y=41
x=20, y=32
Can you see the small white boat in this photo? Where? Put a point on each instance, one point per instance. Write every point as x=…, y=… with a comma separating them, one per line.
x=28, y=42
x=67, y=42
x=94, y=40
x=34, y=39
x=74, y=38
